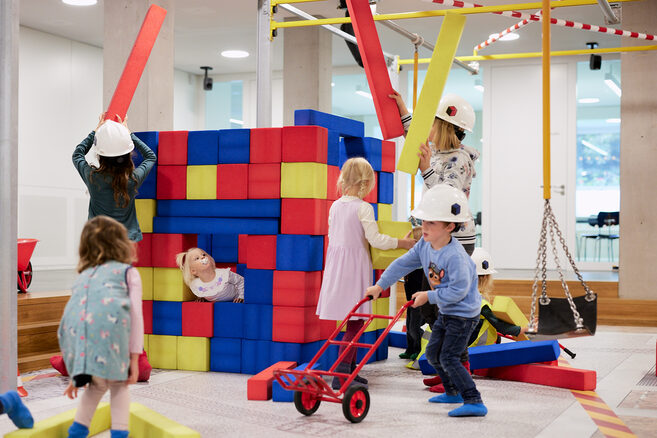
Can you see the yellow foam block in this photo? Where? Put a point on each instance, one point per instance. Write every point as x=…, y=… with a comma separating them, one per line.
x=303, y=180
x=380, y=258
x=146, y=211
x=382, y=307
x=432, y=90
x=146, y=344
x=163, y=351
x=57, y=425
x=385, y=212
x=201, y=182
x=146, y=275
x=193, y=353
x=507, y=310
x=146, y=423
x=168, y=285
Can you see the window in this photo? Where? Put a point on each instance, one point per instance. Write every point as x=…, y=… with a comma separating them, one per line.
x=223, y=106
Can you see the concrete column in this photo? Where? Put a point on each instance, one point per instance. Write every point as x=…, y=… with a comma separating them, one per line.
x=8, y=190
x=307, y=70
x=152, y=104
x=638, y=161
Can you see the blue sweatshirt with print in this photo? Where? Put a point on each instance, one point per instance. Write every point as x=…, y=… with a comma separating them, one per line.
x=457, y=294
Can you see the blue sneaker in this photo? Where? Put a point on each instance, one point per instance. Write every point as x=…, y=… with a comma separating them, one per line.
x=78, y=430
x=444, y=398
x=118, y=433
x=18, y=413
x=469, y=410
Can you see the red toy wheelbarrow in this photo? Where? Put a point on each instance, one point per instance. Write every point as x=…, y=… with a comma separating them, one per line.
x=25, y=250
x=310, y=387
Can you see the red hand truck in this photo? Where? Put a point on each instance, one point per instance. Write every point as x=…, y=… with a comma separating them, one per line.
x=25, y=250
x=311, y=388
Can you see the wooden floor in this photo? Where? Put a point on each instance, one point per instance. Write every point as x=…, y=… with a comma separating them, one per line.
x=612, y=310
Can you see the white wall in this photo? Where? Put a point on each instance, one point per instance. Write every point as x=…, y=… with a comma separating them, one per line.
x=188, y=102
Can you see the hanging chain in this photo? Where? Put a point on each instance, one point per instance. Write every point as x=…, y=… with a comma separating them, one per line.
x=540, y=267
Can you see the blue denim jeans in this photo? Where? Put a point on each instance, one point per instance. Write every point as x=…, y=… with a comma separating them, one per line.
x=449, y=337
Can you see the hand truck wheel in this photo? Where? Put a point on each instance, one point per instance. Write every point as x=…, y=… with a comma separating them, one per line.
x=356, y=403
x=306, y=403
x=25, y=278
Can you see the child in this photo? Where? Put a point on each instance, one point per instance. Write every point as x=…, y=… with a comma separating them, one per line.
x=113, y=185
x=414, y=319
x=488, y=327
x=208, y=282
x=12, y=405
x=101, y=334
x=453, y=277
x=348, y=268
x=443, y=159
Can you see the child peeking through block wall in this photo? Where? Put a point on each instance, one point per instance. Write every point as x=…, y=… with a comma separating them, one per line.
x=208, y=282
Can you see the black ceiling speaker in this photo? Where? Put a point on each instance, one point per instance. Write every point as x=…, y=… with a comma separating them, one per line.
x=207, y=81
x=349, y=28
x=595, y=61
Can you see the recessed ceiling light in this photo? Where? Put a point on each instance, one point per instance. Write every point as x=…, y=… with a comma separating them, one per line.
x=234, y=54
x=508, y=37
x=364, y=94
x=80, y=2
x=613, y=120
x=589, y=100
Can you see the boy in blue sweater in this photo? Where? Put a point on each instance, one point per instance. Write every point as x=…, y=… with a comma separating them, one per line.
x=453, y=278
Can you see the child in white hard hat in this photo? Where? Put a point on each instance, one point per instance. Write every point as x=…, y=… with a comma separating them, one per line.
x=453, y=277
x=208, y=282
x=114, y=183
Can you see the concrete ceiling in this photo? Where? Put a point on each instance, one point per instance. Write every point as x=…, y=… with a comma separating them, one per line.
x=203, y=28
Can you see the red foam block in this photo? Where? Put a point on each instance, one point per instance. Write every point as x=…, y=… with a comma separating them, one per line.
x=372, y=197
x=540, y=374
x=144, y=251
x=241, y=248
x=258, y=387
x=166, y=246
x=296, y=288
x=172, y=148
x=263, y=250
x=265, y=145
x=147, y=312
x=304, y=144
x=171, y=182
x=134, y=66
x=295, y=324
x=264, y=181
x=377, y=274
x=333, y=173
x=231, y=266
x=197, y=319
x=376, y=69
x=304, y=216
x=232, y=181
x=388, y=151
x=326, y=328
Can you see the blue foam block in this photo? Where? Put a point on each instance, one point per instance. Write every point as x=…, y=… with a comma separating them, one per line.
x=278, y=394
x=333, y=148
x=397, y=339
x=513, y=353
x=148, y=189
x=227, y=208
x=285, y=351
x=367, y=338
x=366, y=147
x=255, y=356
x=342, y=125
x=241, y=268
x=151, y=140
x=328, y=358
x=386, y=187
x=224, y=248
x=382, y=351
x=258, y=286
x=204, y=241
x=258, y=320
x=226, y=355
x=228, y=320
x=376, y=211
x=198, y=225
x=296, y=252
x=234, y=145
x=425, y=367
x=202, y=148
x=167, y=318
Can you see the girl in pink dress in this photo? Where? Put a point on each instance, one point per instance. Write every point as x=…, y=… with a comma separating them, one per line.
x=348, y=268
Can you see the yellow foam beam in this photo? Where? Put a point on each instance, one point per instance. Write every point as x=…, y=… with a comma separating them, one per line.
x=385, y=212
x=380, y=258
x=146, y=423
x=146, y=210
x=507, y=310
x=201, y=182
x=57, y=426
x=434, y=83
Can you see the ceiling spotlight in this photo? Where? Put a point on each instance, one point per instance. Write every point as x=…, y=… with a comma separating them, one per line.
x=613, y=84
x=508, y=37
x=234, y=54
x=588, y=100
x=207, y=81
x=80, y=2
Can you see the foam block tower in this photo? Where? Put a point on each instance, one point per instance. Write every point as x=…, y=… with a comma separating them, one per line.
x=257, y=200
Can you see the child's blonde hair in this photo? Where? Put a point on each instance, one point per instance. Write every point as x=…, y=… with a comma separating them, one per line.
x=486, y=285
x=183, y=264
x=104, y=239
x=356, y=172
x=445, y=138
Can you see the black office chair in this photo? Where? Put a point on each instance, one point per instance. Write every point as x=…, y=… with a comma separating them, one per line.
x=603, y=219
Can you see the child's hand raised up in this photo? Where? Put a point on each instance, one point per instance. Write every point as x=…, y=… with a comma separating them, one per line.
x=401, y=106
x=425, y=156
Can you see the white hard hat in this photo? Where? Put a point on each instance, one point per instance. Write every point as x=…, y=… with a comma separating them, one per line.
x=456, y=110
x=113, y=140
x=443, y=203
x=482, y=260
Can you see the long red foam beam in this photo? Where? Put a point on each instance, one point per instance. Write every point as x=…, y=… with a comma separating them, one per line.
x=376, y=70
x=136, y=63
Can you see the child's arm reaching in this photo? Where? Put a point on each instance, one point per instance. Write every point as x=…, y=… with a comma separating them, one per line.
x=376, y=239
x=136, y=323
x=397, y=269
x=501, y=326
x=403, y=111
x=238, y=281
